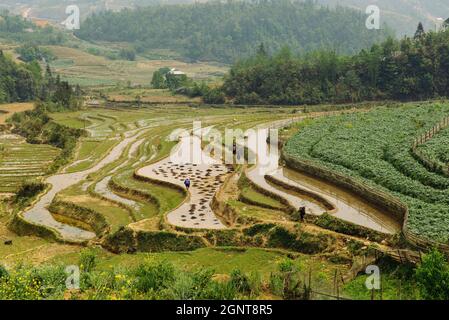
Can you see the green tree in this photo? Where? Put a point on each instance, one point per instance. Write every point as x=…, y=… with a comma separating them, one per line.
x=158, y=80
x=419, y=31
x=446, y=23
x=432, y=276
x=214, y=96
x=227, y=31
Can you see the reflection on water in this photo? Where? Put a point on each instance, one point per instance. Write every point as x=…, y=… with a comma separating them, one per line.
x=350, y=207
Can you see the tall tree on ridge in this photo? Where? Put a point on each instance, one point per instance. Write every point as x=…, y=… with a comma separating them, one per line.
x=419, y=31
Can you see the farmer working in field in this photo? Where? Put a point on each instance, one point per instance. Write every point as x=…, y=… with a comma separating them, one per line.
x=302, y=213
x=187, y=183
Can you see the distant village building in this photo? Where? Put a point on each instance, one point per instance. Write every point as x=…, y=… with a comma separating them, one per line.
x=446, y=24
x=176, y=80
x=441, y=24
x=175, y=72
x=92, y=103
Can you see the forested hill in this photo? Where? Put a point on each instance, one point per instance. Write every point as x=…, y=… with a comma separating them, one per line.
x=411, y=68
x=228, y=31
x=17, y=82
x=401, y=15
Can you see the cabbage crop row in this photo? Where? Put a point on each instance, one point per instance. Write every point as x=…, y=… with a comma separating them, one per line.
x=375, y=147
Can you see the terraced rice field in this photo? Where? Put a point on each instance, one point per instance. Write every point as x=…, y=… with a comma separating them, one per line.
x=124, y=175
x=120, y=142
x=124, y=172
x=21, y=161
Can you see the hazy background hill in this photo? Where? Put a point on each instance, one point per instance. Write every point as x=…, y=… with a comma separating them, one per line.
x=402, y=15
x=54, y=10
x=229, y=31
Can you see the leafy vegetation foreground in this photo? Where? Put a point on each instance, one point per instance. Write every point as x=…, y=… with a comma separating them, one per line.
x=375, y=147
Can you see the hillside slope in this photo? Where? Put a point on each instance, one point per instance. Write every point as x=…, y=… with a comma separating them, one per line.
x=402, y=15
x=228, y=31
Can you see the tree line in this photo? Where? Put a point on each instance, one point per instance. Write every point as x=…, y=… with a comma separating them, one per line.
x=16, y=28
x=413, y=68
x=28, y=82
x=181, y=84
x=232, y=30
x=18, y=82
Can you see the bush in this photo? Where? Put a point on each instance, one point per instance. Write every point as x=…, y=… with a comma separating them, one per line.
x=189, y=286
x=154, y=276
x=27, y=191
x=280, y=237
x=3, y=272
x=88, y=260
x=128, y=54
x=51, y=279
x=220, y=291
x=240, y=282
x=432, y=276
x=20, y=284
x=214, y=96
x=29, y=53
x=286, y=282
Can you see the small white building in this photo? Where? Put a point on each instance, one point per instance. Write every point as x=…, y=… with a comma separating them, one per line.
x=176, y=72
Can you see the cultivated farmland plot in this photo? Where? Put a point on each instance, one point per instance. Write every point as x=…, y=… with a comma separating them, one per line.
x=121, y=184
x=113, y=174
x=375, y=147
x=21, y=161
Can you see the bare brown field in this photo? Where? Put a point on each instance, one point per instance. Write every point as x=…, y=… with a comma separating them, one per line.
x=12, y=108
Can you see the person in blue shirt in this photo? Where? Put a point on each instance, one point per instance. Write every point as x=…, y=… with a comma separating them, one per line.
x=187, y=183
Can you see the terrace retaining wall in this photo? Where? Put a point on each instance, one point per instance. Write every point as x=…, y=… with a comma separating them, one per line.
x=421, y=157
x=376, y=197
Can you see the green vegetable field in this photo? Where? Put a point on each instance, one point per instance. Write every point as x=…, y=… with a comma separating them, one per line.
x=375, y=147
x=437, y=148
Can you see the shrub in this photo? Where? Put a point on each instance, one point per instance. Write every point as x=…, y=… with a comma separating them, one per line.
x=286, y=282
x=88, y=260
x=154, y=276
x=432, y=276
x=220, y=291
x=3, y=272
x=27, y=191
x=240, y=282
x=20, y=285
x=214, y=96
x=51, y=279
